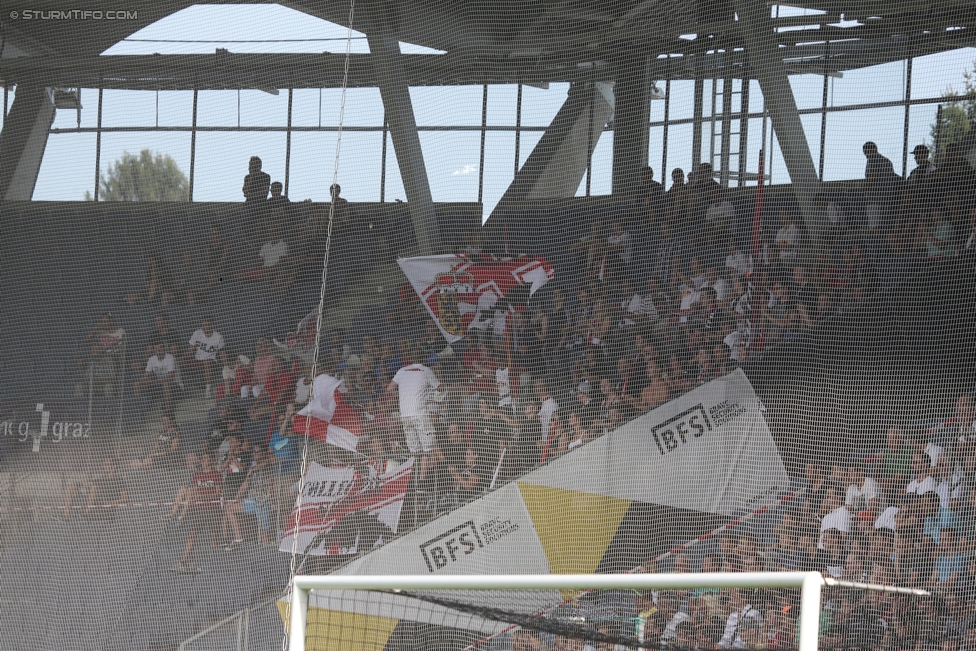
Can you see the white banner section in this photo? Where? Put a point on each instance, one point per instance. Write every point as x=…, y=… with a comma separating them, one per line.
x=709, y=450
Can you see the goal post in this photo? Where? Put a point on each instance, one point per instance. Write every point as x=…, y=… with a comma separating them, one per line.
x=808, y=583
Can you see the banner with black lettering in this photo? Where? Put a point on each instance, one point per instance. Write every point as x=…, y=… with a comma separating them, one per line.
x=493, y=534
x=709, y=450
x=345, y=509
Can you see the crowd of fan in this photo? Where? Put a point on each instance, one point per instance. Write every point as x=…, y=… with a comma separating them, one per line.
x=904, y=515
x=658, y=302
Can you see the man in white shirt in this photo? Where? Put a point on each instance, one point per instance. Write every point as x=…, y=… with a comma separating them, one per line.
x=548, y=407
x=922, y=481
x=689, y=288
x=160, y=372
x=272, y=253
x=716, y=282
x=835, y=513
x=738, y=262
x=621, y=242
x=948, y=483
x=788, y=238
x=205, y=346
x=964, y=425
x=862, y=492
x=416, y=385
x=934, y=452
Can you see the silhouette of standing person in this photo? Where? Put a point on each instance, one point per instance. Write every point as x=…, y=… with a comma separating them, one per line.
x=256, y=183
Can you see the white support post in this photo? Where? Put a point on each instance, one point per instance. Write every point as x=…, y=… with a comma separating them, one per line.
x=299, y=614
x=810, y=612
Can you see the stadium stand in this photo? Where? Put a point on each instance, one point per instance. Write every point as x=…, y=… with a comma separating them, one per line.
x=588, y=389
x=677, y=377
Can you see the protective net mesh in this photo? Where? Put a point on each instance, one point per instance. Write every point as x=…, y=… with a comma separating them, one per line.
x=421, y=287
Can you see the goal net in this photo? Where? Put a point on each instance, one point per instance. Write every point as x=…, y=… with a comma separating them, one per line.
x=761, y=610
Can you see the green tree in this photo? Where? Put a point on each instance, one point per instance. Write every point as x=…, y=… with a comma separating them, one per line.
x=147, y=177
x=958, y=115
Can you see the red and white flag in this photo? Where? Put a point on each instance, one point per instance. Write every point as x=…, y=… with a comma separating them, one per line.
x=343, y=510
x=328, y=417
x=465, y=292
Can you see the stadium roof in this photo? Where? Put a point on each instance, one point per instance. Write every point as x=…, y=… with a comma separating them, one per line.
x=492, y=42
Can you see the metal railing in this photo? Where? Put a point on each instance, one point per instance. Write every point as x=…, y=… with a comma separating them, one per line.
x=241, y=623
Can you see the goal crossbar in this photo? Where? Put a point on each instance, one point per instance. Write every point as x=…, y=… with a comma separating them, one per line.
x=809, y=584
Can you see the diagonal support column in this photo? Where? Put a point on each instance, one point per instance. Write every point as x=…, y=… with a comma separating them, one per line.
x=766, y=62
x=23, y=140
x=559, y=160
x=388, y=65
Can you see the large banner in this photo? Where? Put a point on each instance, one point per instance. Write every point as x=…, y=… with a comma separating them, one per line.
x=709, y=450
x=345, y=509
x=465, y=292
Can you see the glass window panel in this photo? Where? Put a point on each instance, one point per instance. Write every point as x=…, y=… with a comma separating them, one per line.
x=364, y=107
x=176, y=145
x=67, y=169
x=657, y=106
x=756, y=102
x=447, y=105
x=249, y=108
x=920, y=123
x=127, y=108
x=9, y=99
x=933, y=74
x=712, y=104
x=132, y=108
x=755, y=144
x=175, y=108
x=312, y=165
x=807, y=90
x=679, y=150
x=540, y=106
x=451, y=158
x=261, y=109
x=217, y=108
x=222, y=158
x=499, y=156
x=655, y=149
x=602, y=165
x=778, y=174
x=811, y=129
x=882, y=83
x=394, y=183
x=305, y=107
x=501, y=104
x=848, y=130
x=682, y=99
